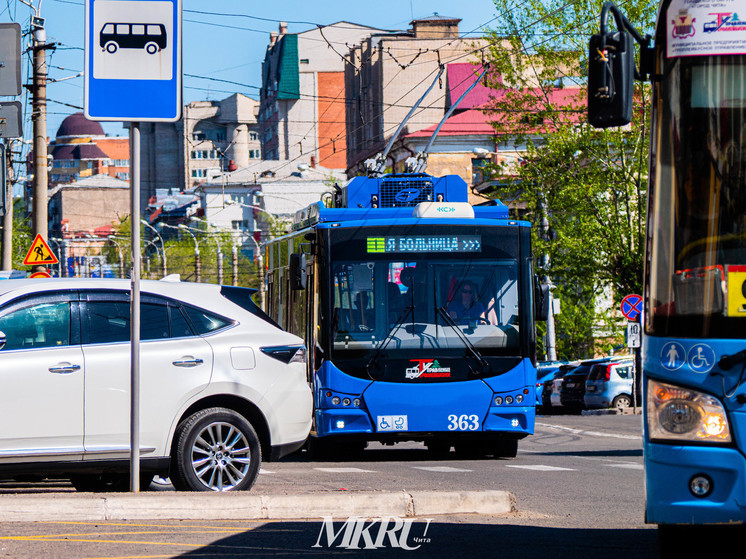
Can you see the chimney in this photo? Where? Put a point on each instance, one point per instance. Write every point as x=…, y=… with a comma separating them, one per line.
x=313, y=162
x=272, y=38
x=232, y=166
x=283, y=27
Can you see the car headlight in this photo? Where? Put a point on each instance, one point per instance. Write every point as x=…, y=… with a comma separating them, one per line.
x=682, y=414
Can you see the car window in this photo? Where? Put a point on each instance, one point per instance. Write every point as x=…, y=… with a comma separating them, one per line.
x=179, y=326
x=623, y=372
x=109, y=322
x=106, y=322
x=203, y=321
x=41, y=325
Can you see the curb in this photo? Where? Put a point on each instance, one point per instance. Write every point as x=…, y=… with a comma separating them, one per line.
x=237, y=506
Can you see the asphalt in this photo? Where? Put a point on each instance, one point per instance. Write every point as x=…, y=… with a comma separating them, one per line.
x=86, y=507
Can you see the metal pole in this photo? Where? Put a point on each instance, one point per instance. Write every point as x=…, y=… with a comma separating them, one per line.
x=220, y=266
x=39, y=118
x=234, y=262
x=7, y=254
x=135, y=310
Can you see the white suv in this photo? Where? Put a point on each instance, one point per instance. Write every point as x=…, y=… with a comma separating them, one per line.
x=220, y=384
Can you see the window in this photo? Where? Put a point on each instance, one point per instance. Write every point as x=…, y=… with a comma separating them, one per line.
x=37, y=326
x=154, y=29
x=138, y=29
x=123, y=29
x=254, y=154
x=238, y=225
x=253, y=136
x=205, y=322
x=109, y=322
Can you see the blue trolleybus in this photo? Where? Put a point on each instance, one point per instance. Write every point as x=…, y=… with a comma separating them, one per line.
x=418, y=312
x=694, y=344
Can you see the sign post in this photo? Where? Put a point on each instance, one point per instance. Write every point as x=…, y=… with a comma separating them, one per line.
x=133, y=73
x=632, y=311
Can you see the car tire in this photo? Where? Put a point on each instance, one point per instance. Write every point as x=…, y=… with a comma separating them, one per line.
x=621, y=402
x=111, y=47
x=216, y=449
x=152, y=48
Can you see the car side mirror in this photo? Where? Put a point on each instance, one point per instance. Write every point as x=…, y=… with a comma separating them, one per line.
x=2, y=339
x=297, y=271
x=611, y=74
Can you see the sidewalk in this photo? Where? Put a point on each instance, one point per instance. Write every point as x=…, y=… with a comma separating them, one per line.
x=246, y=505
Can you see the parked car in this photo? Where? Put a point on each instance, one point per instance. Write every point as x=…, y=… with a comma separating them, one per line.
x=550, y=399
x=610, y=385
x=572, y=386
x=544, y=371
x=220, y=384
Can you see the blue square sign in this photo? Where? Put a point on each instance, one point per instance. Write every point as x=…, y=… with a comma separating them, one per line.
x=133, y=60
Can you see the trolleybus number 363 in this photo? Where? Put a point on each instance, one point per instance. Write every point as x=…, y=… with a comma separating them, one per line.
x=463, y=422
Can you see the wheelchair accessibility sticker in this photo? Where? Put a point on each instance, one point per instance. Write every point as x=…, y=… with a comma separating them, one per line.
x=392, y=423
x=700, y=357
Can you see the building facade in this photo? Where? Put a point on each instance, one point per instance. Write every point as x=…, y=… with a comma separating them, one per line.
x=302, y=112
x=212, y=136
x=81, y=149
x=390, y=72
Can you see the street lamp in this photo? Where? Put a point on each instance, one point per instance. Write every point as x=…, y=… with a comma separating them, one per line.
x=164, y=267
x=121, y=257
x=197, y=263
x=217, y=246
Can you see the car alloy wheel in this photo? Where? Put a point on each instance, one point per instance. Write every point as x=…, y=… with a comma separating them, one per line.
x=217, y=450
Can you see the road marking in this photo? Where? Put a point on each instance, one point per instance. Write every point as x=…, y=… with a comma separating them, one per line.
x=345, y=470
x=263, y=471
x=444, y=469
x=590, y=433
x=543, y=468
x=627, y=466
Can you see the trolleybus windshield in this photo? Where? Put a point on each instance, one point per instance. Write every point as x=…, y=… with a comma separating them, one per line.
x=698, y=259
x=419, y=295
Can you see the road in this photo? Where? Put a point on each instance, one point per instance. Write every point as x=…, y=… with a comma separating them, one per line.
x=578, y=484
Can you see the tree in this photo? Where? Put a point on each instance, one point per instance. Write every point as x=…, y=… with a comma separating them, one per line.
x=583, y=189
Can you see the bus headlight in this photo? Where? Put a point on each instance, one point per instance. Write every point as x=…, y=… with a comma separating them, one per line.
x=676, y=413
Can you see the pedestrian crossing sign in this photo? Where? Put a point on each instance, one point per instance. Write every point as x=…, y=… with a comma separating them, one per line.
x=40, y=254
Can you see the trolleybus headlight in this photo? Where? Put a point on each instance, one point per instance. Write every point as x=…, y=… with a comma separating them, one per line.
x=346, y=401
x=498, y=400
x=336, y=400
x=676, y=413
x=356, y=402
x=519, y=398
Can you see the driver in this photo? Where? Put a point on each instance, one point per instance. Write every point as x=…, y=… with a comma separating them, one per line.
x=465, y=306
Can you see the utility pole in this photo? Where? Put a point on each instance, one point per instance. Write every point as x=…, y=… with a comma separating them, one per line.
x=39, y=119
x=551, y=347
x=7, y=254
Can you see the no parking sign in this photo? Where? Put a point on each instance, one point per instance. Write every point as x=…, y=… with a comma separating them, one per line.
x=632, y=307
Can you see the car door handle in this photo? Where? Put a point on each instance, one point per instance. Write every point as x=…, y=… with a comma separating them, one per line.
x=188, y=361
x=64, y=368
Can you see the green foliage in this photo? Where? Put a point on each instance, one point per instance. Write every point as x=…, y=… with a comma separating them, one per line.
x=583, y=189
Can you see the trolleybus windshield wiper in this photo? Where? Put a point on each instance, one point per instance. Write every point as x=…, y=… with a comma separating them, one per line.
x=467, y=342
x=390, y=336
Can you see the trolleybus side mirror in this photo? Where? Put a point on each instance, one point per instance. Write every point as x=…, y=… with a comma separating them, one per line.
x=541, y=301
x=611, y=74
x=297, y=271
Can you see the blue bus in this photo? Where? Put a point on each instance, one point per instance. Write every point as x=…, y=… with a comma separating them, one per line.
x=418, y=310
x=694, y=362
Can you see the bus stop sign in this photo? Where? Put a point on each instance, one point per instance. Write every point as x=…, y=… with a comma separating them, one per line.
x=632, y=307
x=133, y=60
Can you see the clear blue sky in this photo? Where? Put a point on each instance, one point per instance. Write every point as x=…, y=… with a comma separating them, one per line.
x=227, y=47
